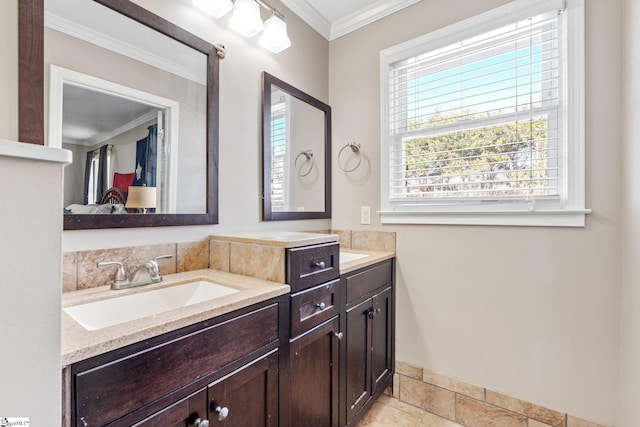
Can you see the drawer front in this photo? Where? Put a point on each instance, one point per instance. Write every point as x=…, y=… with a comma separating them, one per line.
x=180, y=414
x=313, y=306
x=112, y=390
x=360, y=284
x=311, y=265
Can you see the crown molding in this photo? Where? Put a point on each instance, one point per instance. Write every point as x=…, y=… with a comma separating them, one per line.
x=310, y=15
x=100, y=39
x=367, y=15
x=356, y=20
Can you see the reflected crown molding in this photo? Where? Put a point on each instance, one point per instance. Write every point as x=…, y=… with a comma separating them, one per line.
x=121, y=46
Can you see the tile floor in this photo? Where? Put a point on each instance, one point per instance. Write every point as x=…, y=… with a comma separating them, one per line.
x=390, y=412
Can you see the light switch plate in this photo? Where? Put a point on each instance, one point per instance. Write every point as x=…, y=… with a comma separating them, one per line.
x=365, y=214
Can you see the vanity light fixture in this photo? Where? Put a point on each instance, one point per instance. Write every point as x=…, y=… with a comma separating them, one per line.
x=274, y=37
x=246, y=18
x=247, y=21
x=217, y=8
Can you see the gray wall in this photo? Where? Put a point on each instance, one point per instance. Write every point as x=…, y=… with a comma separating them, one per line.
x=532, y=312
x=630, y=371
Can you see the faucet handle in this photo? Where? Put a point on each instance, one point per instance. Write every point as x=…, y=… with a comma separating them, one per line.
x=120, y=280
x=161, y=257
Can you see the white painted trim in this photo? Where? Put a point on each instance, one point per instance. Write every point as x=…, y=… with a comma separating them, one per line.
x=59, y=76
x=366, y=16
x=104, y=136
x=311, y=16
x=546, y=218
x=356, y=20
x=21, y=150
x=129, y=50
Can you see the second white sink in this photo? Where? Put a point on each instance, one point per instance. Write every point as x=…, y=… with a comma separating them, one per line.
x=350, y=256
x=113, y=311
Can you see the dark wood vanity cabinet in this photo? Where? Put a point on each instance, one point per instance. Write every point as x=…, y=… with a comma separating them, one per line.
x=230, y=362
x=369, y=337
x=313, y=349
x=248, y=397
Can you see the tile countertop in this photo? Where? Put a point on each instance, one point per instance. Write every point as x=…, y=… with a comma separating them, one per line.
x=79, y=343
x=371, y=257
x=282, y=239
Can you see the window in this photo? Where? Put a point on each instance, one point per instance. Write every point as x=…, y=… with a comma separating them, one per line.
x=483, y=121
x=279, y=153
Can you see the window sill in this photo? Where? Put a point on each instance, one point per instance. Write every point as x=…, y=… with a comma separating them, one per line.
x=541, y=218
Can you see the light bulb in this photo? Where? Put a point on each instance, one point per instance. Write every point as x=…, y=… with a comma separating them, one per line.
x=246, y=18
x=217, y=8
x=275, y=36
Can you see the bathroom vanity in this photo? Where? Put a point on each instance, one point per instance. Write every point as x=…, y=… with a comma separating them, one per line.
x=315, y=348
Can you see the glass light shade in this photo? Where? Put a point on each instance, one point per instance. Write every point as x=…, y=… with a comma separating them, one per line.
x=246, y=18
x=275, y=36
x=217, y=8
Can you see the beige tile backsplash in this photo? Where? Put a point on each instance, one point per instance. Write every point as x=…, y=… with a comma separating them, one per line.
x=80, y=270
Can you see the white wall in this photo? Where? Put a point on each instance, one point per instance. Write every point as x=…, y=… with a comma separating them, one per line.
x=30, y=287
x=304, y=65
x=630, y=372
x=532, y=312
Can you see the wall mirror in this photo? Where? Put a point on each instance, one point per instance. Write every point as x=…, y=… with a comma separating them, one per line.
x=135, y=98
x=296, y=153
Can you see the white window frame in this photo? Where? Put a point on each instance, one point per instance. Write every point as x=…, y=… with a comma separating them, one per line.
x=570, y=211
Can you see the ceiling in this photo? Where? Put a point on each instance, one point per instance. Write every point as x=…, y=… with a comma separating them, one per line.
x=335, y=18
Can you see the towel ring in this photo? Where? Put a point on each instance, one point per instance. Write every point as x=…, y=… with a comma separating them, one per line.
x=355, y=147
x=308, y=155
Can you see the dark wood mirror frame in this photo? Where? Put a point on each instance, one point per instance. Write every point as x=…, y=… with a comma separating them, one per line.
x=267, y=213
x=31, y=107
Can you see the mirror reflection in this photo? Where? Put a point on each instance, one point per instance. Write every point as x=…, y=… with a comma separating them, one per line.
x=296, y=151
x=133, y=104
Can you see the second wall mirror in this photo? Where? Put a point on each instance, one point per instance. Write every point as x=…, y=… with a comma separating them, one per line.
x=296, y=153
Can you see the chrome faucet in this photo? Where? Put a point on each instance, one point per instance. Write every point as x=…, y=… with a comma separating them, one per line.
x=146, y=273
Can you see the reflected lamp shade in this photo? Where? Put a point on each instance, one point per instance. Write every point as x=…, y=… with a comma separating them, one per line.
x=246, y=18
x=141, y=197
x=275, y=36
x=217, y=8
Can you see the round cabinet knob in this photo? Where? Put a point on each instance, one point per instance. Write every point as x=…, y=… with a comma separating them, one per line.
x=339, y=335
x=222, y=412
x=321, y=305
x=320, y=264
x=201, y=423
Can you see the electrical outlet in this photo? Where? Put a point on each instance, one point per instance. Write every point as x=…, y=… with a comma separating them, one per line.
x=365, y=214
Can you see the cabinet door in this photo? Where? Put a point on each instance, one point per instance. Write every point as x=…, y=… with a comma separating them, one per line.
x=182, y=413
x=358, y=357
x=314, y=377
x=381, y=340
x=247, y=397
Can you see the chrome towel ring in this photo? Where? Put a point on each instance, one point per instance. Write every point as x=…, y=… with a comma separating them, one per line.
x=355, y=147
x=308, y=158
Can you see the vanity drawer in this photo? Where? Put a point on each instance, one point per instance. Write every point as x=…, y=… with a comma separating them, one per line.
x=361, y=284
x=311, y=265
x=313, y=306
x=113, y=385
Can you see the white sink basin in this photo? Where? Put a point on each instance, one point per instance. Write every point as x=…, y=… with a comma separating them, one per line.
x=349, y=256
x=109, y=312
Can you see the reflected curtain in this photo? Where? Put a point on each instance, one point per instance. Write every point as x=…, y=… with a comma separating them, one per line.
x=97, y=175
x=103, y=173
x=146, y=159
x=87, y=176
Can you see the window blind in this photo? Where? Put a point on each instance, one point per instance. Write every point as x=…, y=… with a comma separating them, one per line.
x=479, y=119
x=278, y=155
